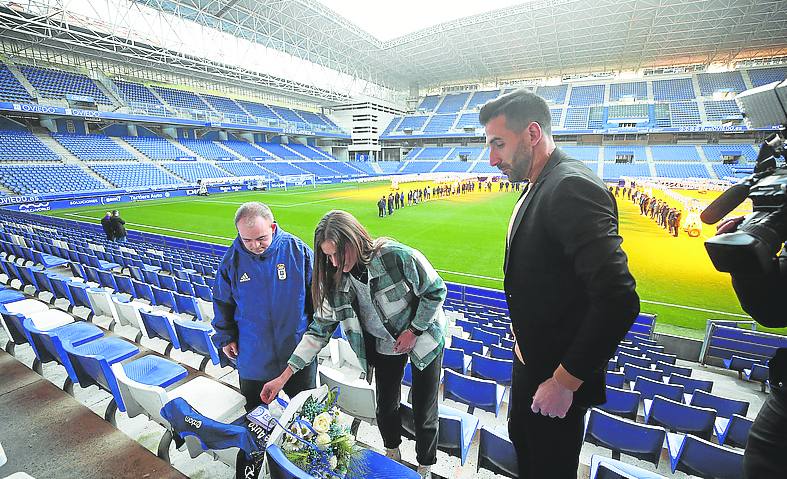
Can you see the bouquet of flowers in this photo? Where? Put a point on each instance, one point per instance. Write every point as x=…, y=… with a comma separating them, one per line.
x=315, y=441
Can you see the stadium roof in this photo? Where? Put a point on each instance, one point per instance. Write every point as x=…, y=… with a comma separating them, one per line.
x=540, y=38
x=309, y=51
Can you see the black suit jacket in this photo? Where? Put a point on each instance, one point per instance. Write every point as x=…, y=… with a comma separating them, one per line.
x=567, y=282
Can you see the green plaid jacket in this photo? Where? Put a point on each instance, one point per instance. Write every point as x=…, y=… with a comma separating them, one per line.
x=405, y=289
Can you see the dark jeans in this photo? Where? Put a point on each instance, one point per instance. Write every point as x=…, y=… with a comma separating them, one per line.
x=303, y=380
x=766, y=449
x=545, y=447
x=389, y=371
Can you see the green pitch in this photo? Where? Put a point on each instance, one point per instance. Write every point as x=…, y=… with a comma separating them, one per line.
x=462, y=237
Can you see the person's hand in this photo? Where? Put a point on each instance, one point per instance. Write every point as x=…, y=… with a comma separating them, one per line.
x=231, y=350
x=405, y=342
x=271, y=389
x=552, y=399
x=728, y=226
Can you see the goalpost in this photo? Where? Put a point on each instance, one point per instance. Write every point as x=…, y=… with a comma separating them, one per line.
x=298, y=180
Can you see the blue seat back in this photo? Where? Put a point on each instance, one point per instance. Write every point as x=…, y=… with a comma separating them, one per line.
x=670, y=369
x=501, y=352
x=456, y=429
x=615, y=379
x=723, y=342
x=92, y=274
x=186, y=304
x=621, y=435
x=124, y=285
x=632, y=372
x=680, y=417
x=650, y=388
x=725, y=407
x=469, y=346
x=93, y=370
x=164, y=297
x=14, y=323
x=203, y=292
x=480, y=393
x=496, y=453
x=48, y=346
x=60, y=285
x=185, y=287
x=167, y=282
x=144, y=291
x=738, y=431
x=195, y=337
x=159, y=326
x=705, y=459
x=407, y=377
x=664, y=357
x=42, y=279
x=497, y=370
x=454, y=358
x=625, y=358
x=107, y=280
x=690, y=385
x=621, y=402
x=79, y=293
x=478, y=334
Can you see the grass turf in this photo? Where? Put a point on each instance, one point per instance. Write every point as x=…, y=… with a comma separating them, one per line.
x=462, y=237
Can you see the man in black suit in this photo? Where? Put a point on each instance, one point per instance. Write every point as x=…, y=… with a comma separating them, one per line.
x=106, y=224
x=569, y=291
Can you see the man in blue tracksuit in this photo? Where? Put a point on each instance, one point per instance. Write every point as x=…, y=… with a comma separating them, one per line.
x=262, y=302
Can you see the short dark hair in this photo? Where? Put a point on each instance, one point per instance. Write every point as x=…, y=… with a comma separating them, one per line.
x=520, y=107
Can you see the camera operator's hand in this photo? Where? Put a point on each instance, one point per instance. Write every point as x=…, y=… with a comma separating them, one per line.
x=730, y=225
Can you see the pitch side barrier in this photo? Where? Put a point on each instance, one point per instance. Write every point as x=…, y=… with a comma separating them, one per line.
x=36, y=203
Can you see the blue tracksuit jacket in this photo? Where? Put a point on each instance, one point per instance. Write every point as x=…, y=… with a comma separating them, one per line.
x=263, y=303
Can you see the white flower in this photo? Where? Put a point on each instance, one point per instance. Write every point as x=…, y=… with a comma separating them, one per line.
x=322, y=441
x=333, y=461
x=322, y=423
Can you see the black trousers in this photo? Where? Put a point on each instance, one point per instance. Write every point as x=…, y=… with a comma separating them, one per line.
x=766, y=450
x=389, y=371
x=303, y=380
x=545, y=447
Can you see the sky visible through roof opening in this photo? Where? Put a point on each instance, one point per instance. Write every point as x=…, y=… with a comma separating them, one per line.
x=389, y=20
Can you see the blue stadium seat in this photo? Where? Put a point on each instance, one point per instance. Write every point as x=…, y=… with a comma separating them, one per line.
x=476, y=393
x=469, y=346
x=621, y=402
x=650, y=388
x=725, y=407
x=690, y=384
x=624, y=436
x=606, y=468
x=456, y=429
x=496, y=453
x=679, y=417
x=699, y=457
x=456, y=359
x=497, y=370
x=733, y=431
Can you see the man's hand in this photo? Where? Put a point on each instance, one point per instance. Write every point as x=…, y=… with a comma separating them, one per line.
x=552, y=399
x=271, y=389
x=405, y=342
x=231, y=350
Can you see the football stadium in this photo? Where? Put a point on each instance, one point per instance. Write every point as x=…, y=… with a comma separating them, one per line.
x=165, y=116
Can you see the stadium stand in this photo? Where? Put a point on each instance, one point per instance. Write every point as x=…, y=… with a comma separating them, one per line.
x=674, y=153
x=711, y=83
x=244, y=168
x=181, y=99
x=23, y=146
x=432, y=153
x=259, y=110
x=553, y=94
x=587, y=95
x=139, y=96
x=763, y=76
x=722, y=110
x=480, y=97
x=31, y=179
x=684, y=114
x=93, y=147
x=439, y=124
x=453, y=103
x=287, y=114
x=155, y=148
x=429, y=103
x=207, y=149
x=58, y=84
x=673, y=90
x=716, y=152
x=134, y=175
x=633, y=90
x=192, y=171
x=411, y=167
x=280, y=151
x=282, y=168
x=10, y=88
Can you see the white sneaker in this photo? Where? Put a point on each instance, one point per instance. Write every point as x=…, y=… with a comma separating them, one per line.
x=394, y=454
x=425, y=472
